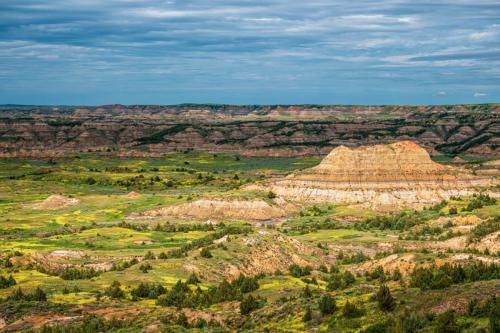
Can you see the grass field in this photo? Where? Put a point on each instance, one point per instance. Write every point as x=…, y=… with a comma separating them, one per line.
x=99, y=236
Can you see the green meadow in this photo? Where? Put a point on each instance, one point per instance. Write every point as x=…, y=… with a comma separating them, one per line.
x=91, y=258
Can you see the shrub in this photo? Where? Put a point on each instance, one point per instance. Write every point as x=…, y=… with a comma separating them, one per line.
x=377, y=273
x=149, y=256
x=145, y=267
x=327, y=305
x=205, y=253
x=334, y=282
x=7, y=282
x=90, y=323
x=74, y=273
x=207, y=240
x=90, y=181
x=494, y=321
x=38, y=295
x=307, y=293
x=182, y=296
x=414, y=323
x=307, y=315
x=246, y=284
x=479, y=201
x=446, y=323
x=193, y=279
x=443, y=276
x=401, y=221
x=376, y=328
x=350, y=310
x=355, y=258
x=348, y=278
x=248, y=304
x=385, y=300
x=297, y=271
x=115, y=290
x=484, y=229
x=340, y=281
x=148, y=290
x=182, y=320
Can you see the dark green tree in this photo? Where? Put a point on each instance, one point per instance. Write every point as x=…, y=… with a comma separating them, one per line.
x=193, y=279
x=115, y=290
x=182, y=320
x=205, y=253
x=306, y=292
x=307, y=315
x=149, y=256
x=350, y=310
x=248, y=304
x=494, y=318
x=38, y=295
x=327, y=305
x=385, y=300
x=447, y=323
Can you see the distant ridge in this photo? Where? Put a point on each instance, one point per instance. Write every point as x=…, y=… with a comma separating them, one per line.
x=252, y=130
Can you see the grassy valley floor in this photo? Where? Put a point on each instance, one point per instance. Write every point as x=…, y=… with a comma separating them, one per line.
x=86, y=246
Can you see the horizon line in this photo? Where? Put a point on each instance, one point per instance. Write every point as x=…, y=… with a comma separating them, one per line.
x=241, y=105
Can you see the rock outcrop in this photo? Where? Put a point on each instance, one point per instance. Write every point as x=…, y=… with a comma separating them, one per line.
x=140, y=131
x=219, y=209
x=133, y=195
x=382, y=177
x=56, y=201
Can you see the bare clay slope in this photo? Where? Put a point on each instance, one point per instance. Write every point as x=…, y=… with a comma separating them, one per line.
x=383, y=177
x=137, y=131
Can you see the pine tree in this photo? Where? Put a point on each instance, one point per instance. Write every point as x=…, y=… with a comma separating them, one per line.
x=39, y=295
x=17, y=295
x=205, y=253
x=115, y=290
x=446, y=323
x=149, y=256
x=385, y=300
x=350, y=310
x=182, y=320
x=248, y=304
x=494, y=318
x=193, y=279
x=307, y=293
x=307, y=315
x=327, y=305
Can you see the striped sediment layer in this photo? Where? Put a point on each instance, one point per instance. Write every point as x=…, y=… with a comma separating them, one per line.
x=382, y=177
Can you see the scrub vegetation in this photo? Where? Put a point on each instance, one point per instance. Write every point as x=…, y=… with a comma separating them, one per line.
x=92, y=259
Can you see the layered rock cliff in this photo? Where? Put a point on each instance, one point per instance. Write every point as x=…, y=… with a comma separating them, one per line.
x=382, y=177
x=219, y=209
x=247, y=130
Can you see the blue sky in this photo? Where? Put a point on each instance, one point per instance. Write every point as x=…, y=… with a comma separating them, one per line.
x=249, y=52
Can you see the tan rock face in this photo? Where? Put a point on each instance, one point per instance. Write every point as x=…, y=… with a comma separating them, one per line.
x=247, y=130
x=56, y=201
x=220, y=209
x=133, y=195
x=382, y=177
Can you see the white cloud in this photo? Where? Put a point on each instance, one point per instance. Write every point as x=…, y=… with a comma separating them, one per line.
x=154, y=12
x=489, y=34
x=480, y=94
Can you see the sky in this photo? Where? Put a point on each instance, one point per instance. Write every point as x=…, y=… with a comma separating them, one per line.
x=91, y=52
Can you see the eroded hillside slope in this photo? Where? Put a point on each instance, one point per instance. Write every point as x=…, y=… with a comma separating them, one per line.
x=140, y=131
x=382, y=177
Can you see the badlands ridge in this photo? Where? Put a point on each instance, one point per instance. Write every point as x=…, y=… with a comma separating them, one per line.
x=382, y=177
